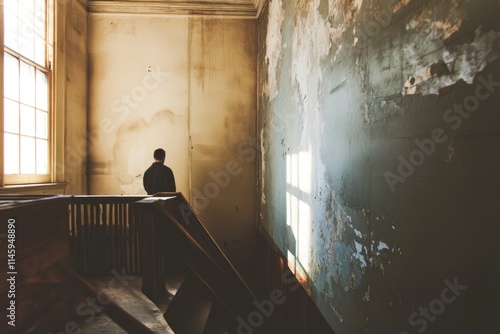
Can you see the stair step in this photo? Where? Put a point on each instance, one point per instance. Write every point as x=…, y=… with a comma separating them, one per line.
x=189, y=311
x=216, y=323
x=127, y=294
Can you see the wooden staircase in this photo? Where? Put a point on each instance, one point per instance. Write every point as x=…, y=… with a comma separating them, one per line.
x=213, y=296
x=158, y=238
x=187, y=310
x=190, y=310
x=183, y=283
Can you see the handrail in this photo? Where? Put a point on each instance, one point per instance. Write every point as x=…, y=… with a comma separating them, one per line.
x=102, y=199
x=16, y=201
x=133, y=232
x=217, y=255
x=204, y=257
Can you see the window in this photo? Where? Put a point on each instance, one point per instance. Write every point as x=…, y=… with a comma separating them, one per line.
x=27, y=76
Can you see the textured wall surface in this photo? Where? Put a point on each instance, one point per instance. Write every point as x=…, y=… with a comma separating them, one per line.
x=379, y=132
x=74, y=72
x=222, y=130
x=187, y=85
x=138, y=100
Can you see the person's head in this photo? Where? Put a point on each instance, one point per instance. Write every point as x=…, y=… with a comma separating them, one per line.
x=159, y=155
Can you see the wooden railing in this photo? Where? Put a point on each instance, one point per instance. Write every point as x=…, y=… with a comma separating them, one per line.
x=144, y=235
x=170, y=228
x=104, y=234
x=43, y=290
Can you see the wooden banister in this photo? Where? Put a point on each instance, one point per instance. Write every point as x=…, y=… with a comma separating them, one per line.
x=170, y=228
x=104, y=234
x=144, y=235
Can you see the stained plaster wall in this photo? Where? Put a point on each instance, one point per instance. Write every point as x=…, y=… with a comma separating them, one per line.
x=347, y=91
x=70, y=134
x=187, y=85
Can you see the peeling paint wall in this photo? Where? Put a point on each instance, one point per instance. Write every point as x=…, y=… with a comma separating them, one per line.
x=378, y=123
x=187, y=85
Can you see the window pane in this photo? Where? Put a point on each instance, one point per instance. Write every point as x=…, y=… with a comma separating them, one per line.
x=42, y=95
x=10, y=26
x=11, y=156
x=28, y=163
x=42, y=124
x=11, y=77
x=40, y=25
x=27, y=121
x=26, y=12
x=11, y=5
x=26, y=40
x=42, y=152
x=40, y=10
x=27, y=83
x=29, y=4
x=26, y=15
x=26, y=115
x=11, y=116
x=39, y=50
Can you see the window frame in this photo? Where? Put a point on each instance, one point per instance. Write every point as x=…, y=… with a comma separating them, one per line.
x=48, y=69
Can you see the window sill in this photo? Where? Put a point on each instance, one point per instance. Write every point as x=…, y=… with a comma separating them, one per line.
x=34, y=189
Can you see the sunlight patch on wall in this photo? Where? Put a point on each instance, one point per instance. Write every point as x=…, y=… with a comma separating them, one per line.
x=136, y=160
x=304, y=244
x=298, y=179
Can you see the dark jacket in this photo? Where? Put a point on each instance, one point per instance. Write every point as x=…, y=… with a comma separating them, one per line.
x=158, y=178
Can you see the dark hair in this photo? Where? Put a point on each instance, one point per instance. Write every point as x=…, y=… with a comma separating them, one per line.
x=159, y=154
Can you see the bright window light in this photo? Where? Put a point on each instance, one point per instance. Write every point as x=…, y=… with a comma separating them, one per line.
x=26, y=114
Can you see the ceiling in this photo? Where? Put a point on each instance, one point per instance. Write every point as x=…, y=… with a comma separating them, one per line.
x=235, y=8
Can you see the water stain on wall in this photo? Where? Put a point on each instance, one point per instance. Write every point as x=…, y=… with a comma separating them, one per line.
x=134, y=145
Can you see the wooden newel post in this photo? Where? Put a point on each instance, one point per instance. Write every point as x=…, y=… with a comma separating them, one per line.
x=152, y=249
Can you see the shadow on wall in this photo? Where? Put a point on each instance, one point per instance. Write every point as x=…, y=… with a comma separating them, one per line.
x=135, y=141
